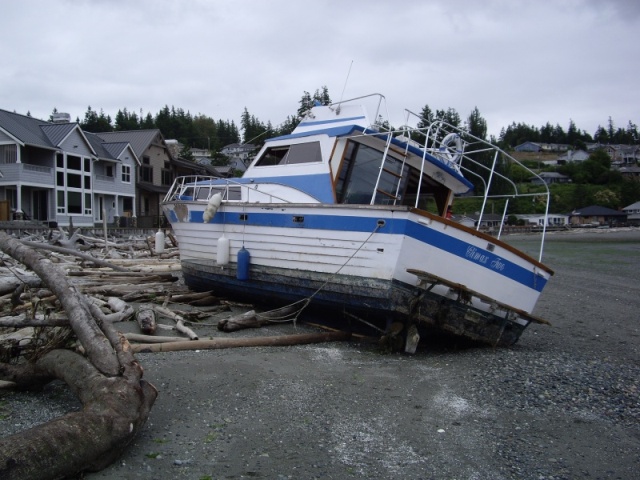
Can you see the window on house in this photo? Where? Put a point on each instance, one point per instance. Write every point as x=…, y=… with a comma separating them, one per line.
x=108, y=170
x=74, y=200
x=167, y=177
x=146, y=173
x=8, y=154
x=126, y=173
x=73, y=182
x=74, y=163
x=87, y=204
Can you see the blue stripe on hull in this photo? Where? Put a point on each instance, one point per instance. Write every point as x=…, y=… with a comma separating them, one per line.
x=424, y=234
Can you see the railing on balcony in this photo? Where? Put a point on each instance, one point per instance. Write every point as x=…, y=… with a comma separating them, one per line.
x=25, y=172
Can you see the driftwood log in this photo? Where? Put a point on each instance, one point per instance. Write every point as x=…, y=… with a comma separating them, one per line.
x=219, y=343
x=108, y=381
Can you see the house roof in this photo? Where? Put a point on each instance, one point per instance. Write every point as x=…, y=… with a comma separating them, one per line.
x=32, y=131
x=633, y=206
x=140, y=140
x=596, y=211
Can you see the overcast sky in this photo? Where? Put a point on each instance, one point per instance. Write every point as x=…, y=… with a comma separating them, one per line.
x=524, y=61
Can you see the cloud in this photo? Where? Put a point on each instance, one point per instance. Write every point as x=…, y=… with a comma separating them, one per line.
x=516, y=61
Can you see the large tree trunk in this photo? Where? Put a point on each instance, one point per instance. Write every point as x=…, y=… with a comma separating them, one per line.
x=108, y=382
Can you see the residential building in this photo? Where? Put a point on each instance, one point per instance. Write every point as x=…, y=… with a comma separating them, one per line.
x=239, y=151
x=155, y=175
x=633, y=213
x=54, y=172
x=573, y=156
x=537, y=219
x=549, y=178
x=596, y=215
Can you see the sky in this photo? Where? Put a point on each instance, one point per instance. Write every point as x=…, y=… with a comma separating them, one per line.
x=517, y=61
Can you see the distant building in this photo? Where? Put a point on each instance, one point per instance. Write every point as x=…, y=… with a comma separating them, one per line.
x=549, y=178
x=537, y=219
x=633, y=213
x=542, y=147
x=239, y=151
x=596, y=215
x=573, y=156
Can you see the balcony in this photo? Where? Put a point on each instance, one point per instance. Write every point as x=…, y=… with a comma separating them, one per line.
x=14, y=173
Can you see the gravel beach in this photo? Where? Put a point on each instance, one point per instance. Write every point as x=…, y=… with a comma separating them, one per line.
x=563, y=403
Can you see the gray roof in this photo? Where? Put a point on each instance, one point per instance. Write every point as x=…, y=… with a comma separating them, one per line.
x=57, y=132
x=596, y=211
x=104, y=151
x=139, y=139
x=29, y=130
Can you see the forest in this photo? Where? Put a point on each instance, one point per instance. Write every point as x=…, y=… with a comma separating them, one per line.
x=592, y=181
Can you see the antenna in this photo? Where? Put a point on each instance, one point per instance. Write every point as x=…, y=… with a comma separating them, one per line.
x=344, y=88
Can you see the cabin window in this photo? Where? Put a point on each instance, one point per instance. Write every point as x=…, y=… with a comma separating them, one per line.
x=291, y=154
x=359, y=173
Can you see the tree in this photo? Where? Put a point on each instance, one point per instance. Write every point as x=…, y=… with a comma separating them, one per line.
x=94, y=122
x=601, y=136
x=126, y=121
x=476, y=125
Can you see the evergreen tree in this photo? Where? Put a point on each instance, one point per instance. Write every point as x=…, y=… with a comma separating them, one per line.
x=601, y=136
x=94, y=122
x=476, y=125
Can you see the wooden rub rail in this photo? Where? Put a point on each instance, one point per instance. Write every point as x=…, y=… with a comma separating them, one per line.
x=432, y=279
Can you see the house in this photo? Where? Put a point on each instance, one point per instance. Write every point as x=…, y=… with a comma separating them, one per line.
x=239, y=151
x=573, y=156
x=541, y=147
x=54, y=172
x=537, y=219
x=549, y=178
x=155, y=174
x=528, y=147
x=625, y=154
x=596, y=215
x=632, y=173
x=490, y=221
x=633, y=213
x=158, y=168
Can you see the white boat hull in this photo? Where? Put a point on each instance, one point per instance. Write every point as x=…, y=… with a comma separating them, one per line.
x=376, y=261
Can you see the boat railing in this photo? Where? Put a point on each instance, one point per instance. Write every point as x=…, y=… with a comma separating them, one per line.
x=201, y=188
x=471, y=155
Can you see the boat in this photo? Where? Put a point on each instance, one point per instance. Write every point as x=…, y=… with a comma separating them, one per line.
x=353, y=218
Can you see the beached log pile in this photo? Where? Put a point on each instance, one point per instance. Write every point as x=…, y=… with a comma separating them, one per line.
x=61, y=299
x=125, y=280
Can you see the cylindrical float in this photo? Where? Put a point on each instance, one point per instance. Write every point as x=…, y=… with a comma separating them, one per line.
x=159, y=242
x=222, y=254
x=243, y=264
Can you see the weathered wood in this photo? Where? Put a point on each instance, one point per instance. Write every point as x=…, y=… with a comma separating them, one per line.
x=180, y=326
x=136, y=337
x=70, y=251
x=239, y=322
x=108, y=382
x=9, y=284
x=89, y=334
x=39, y=320
x=146, y=319
x=219, y=343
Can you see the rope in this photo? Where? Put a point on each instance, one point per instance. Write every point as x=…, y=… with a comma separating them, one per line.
x=306, y=301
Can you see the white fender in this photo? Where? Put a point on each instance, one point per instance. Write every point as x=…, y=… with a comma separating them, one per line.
x=212, y=207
